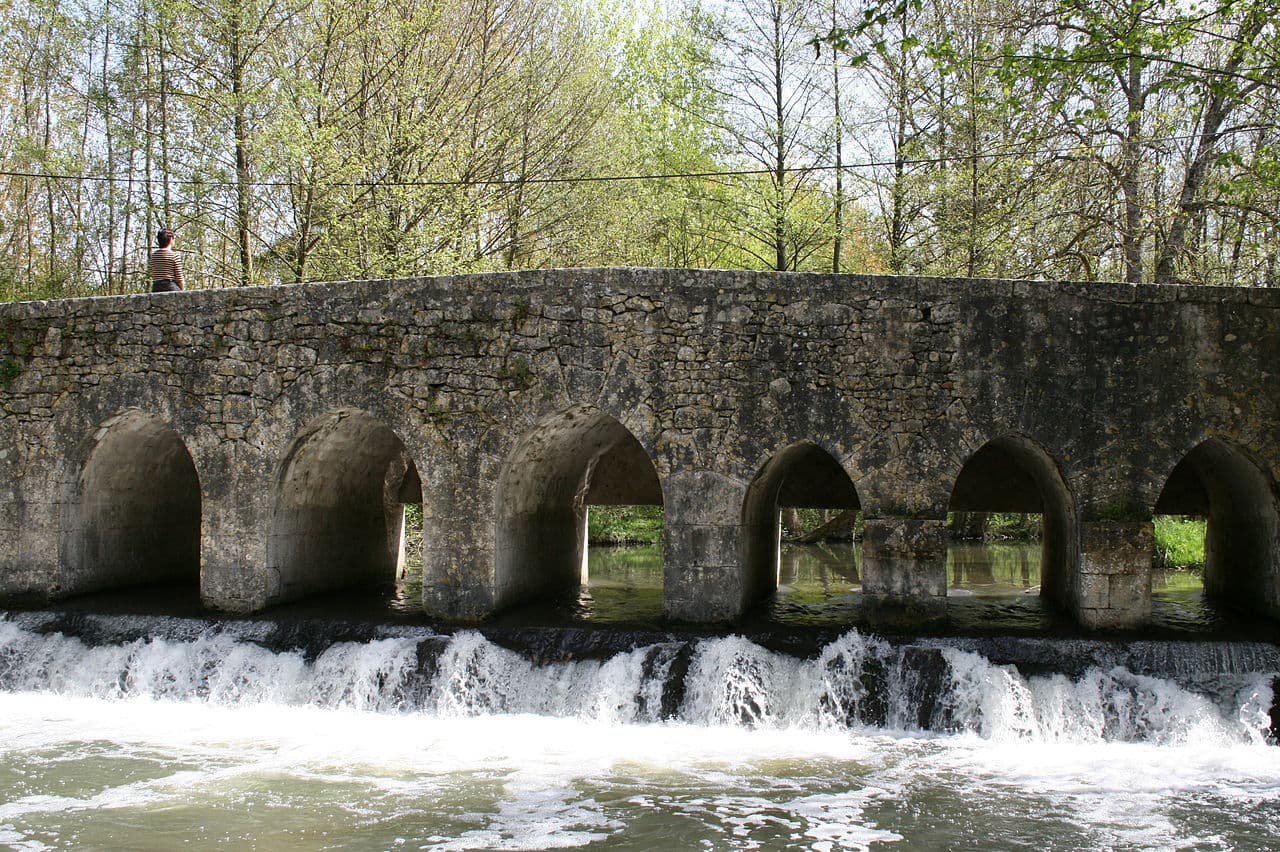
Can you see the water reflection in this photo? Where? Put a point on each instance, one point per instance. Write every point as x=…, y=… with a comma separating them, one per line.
x=990, y=587
x=834, y=568
x=818, y=584
x=993, y=570
x=624, y=584
x=821, y=584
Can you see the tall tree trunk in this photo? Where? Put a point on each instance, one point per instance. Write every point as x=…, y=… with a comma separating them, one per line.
x=1130, y=179
x=166, y=201
x=240, y=129
x=779, y=148
x=898, y=213
x=108, y=139
x=839, y=148
x=52, y=230
x=1218, y=106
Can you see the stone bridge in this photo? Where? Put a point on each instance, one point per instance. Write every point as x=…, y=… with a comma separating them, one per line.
x=261, y=443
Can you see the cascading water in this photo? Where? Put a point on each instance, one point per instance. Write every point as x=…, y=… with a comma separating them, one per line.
x=453, y=741
x=856, y=681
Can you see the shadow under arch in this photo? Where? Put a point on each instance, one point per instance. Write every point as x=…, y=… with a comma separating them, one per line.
x=802, y=475
x=1218, y=481
x=569, y=460
x=135, y=513
x=339, y=514
x=1012, y=473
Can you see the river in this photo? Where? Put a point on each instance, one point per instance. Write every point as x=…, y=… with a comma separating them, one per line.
x=138, y=732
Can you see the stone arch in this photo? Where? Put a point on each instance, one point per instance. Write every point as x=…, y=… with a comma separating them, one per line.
x=1222, y=483
x=569, y=460
x=801, y=475
x=134, y=514
x=1012, y=473
x=339, y=506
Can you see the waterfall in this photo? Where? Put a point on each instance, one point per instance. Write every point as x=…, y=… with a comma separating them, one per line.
x=1099, y=693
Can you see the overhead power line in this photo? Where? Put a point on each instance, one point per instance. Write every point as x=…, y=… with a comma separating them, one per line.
x=573, y=179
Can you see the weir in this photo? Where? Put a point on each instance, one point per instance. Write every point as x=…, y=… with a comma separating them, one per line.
x=261, y=444
x=1037, y=690
x=126, y=730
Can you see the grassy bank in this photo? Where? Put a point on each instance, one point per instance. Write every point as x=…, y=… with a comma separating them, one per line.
x=1179, y=542
x=624, y=525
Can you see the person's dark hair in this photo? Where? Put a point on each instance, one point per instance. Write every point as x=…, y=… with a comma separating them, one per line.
x=164, y=237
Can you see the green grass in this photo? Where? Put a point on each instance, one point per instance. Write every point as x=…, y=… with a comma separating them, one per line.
x=1179, y=542
x=624, y=524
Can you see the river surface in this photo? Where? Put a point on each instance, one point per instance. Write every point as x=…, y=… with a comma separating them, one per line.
x=990, y=587
x=127, y=732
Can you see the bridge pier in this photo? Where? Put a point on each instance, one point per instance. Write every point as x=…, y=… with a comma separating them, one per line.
x=904, y=565
x=523, y=398
x=1113, y=584
x=234, y=576
x=704, y=579
x=32, y=573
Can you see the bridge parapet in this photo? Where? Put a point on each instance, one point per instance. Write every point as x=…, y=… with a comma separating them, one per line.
x=505, y=403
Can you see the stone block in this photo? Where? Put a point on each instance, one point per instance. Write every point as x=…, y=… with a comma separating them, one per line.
x=904, y=578
x=1093, y=592
x=1264, y=297
x=233, y=588
x=906, y=537
x=702, y=497
x=703, y=593
x=1118, y=547
x=1155, y=293
x=904, y=558
x=1131, y=594
x=1113, y=588
x=700, y=544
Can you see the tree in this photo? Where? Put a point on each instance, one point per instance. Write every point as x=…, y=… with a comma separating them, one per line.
x=770, y=86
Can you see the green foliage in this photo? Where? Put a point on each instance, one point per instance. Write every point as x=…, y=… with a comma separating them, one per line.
x=413, y=534
x=517, y=372
x=329, y=141
x=1179, y=542
x=10, y=369
x=624, y=524
x=995, y=526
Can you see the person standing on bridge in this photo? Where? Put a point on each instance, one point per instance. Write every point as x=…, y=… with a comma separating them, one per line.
x=163, y=264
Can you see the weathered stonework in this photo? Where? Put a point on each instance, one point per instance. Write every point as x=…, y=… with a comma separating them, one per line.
x=1114, y=581
x=506, y=402
x=905, y=559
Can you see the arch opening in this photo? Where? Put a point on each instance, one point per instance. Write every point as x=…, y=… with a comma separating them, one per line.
x=1013, y=479
x=340, y=509
x=568, y=462
x=1219, y=484
x=137, y=513
x=804, y=491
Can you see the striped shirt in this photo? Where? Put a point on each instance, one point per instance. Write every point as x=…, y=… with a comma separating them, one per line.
x=163, y=264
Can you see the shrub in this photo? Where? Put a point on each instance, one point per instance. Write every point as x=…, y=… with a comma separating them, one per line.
x=1179, y=541
x=624, y=524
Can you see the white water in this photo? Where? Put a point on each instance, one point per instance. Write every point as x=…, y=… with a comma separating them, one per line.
x=206, y=736
x=730, y=681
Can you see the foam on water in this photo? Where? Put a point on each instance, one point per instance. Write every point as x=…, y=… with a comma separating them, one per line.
x=857, y=681
x=456, y=743
x=528, y=782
